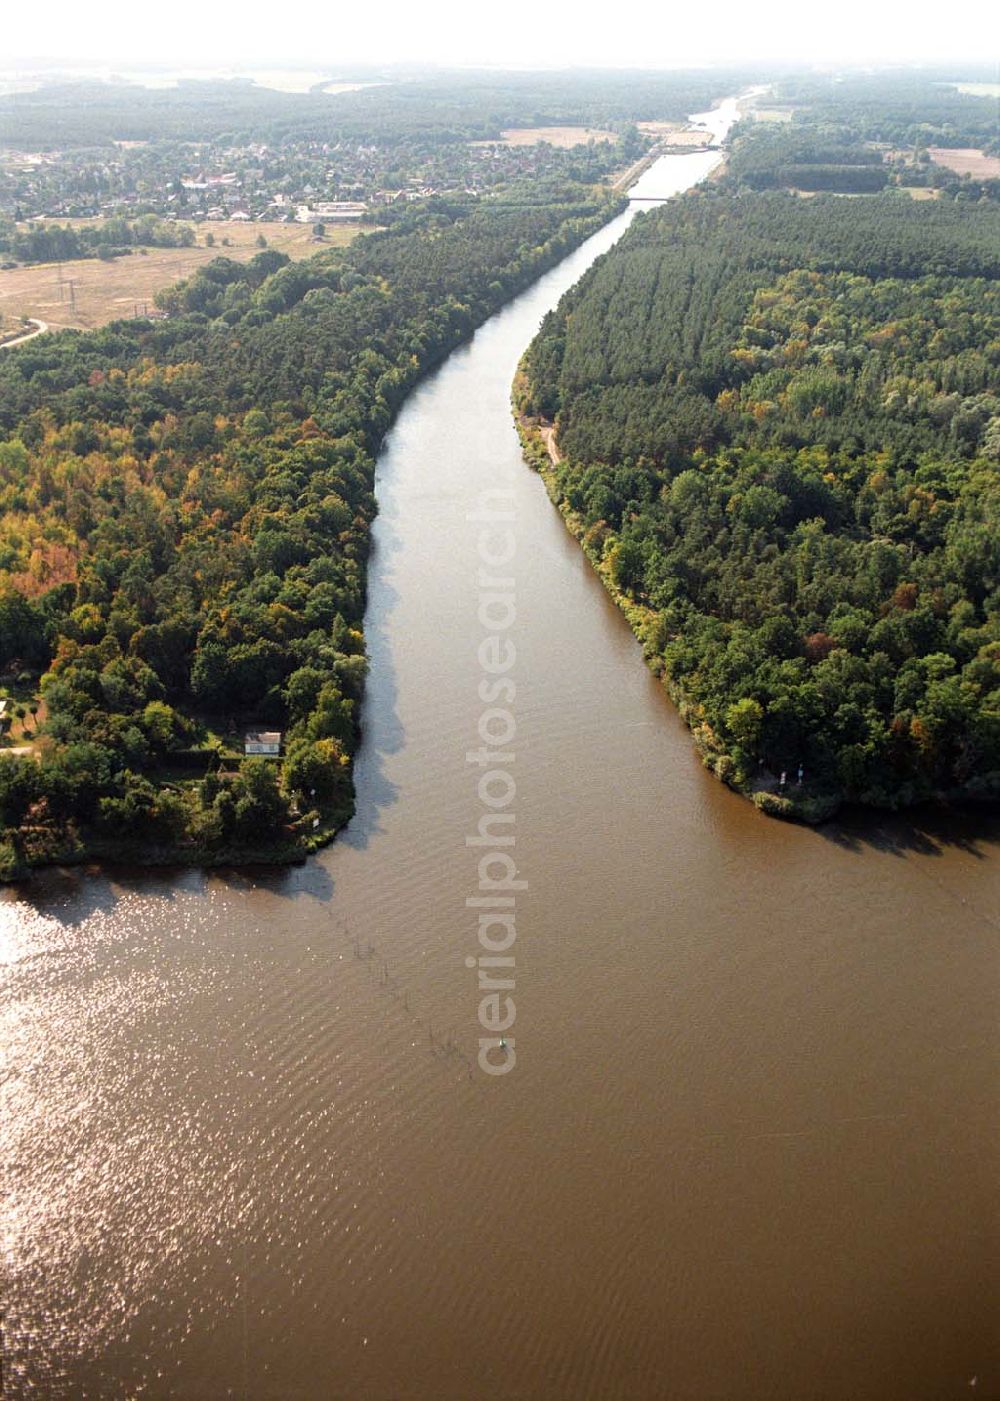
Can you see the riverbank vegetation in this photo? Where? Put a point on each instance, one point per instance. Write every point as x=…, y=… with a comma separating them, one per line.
x=780, y=441
x=186, y=513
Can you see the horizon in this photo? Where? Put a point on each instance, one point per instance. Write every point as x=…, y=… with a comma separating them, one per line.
x=530, y=39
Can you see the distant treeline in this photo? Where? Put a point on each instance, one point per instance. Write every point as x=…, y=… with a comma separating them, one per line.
x=48, y=243
x=776, y=157
x=859, y=134
x=899, y=108
x=185, y=523
x=455, y=107
x=781, y=427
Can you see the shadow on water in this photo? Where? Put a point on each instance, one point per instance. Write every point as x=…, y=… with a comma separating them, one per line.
x=306, y=880
x=932, y=830
x=382, y=730
x=71, y=895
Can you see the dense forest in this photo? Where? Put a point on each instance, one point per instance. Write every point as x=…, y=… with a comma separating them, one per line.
x=809, y=158
x=856, y=134
x=899, y=107
x=780, y=433
x=185, y=518
x=447, y=108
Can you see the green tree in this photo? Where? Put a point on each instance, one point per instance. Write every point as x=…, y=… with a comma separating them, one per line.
x=317, y=769
x=743, y=720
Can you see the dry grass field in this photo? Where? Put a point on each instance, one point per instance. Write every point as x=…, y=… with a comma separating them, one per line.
x=979, y=89
x=965, y=161
x=673, y=133
x=561, y=136
x=778, y=116
x=687, y=138
x=914, y=191
x=102, y=292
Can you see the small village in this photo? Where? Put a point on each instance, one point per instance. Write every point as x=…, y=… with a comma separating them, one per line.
x=301, y=181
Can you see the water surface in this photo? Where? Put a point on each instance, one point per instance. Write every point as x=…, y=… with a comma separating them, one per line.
x=749, y=1149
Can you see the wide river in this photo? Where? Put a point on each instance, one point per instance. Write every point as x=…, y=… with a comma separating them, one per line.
x=749, y=1148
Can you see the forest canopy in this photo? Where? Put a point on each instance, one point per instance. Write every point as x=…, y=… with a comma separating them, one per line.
x=780, y=428
x=186, y=508
x=446, y=107
x=857, y=133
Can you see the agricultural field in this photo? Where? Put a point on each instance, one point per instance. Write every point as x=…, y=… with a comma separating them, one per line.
x=979, y=89
x=562, y=137
x=966, y=161
x=90, y=292
x=673, y=133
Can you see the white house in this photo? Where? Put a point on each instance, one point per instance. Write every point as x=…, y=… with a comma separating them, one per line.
x=262, y=742
x=335, y=211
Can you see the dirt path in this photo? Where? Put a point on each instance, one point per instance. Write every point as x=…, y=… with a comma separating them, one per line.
x=40, y=328
x=549, y=439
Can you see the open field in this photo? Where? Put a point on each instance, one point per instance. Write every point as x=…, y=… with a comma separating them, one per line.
x=978, y=89
x=777, y=115
x=102, y=292
x=919, y=192
x=334, y=89
x=965, y=161
x=673, y=133
x=562, y=136
x=687, y=138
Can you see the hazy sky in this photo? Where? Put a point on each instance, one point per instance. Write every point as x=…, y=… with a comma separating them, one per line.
x=537, y=33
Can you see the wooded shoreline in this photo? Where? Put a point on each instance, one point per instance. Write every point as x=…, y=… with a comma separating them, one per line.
x=796, y=803
x=536, y=435
x=31, y=847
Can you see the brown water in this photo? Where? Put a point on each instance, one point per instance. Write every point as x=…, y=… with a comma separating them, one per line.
x=749, y=1148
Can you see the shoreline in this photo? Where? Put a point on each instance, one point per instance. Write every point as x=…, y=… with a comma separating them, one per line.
x=808, y=807
x=101, y=851
x=542, y=455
